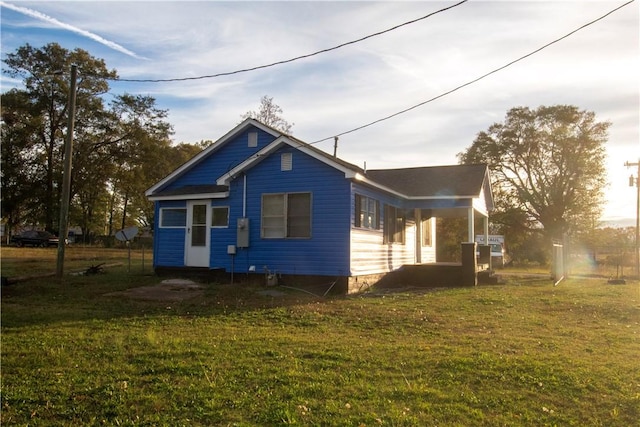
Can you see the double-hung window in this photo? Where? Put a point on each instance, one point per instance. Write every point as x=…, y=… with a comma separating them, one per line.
x=394, y=224
x=367, y=212
x=286, y=215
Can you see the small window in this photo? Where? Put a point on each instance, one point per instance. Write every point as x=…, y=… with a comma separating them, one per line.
x=253, y=139
x=367, y=212
x=426, y=231
x=173, y=217
x=286, y=162
x=220, y=216
x=286, y=215
x=394, y=224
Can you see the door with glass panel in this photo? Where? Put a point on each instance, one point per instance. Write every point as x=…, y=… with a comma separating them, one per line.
x=198, y=240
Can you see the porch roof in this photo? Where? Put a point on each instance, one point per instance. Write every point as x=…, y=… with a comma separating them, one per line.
x=435, y=181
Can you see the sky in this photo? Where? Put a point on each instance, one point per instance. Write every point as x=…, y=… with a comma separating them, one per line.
x=596, y=69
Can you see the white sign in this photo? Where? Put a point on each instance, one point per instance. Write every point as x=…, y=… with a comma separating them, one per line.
x=493, y=239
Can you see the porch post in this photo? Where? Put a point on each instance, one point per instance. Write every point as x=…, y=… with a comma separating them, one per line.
x=470, y=227
x=486, y=229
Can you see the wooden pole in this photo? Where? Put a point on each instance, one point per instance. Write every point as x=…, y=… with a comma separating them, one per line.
x=637, y=182
x=63, y=230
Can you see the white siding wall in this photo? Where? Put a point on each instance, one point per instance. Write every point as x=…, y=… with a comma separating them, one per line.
x=480, y=203
x=370, y=256
x=428, y=253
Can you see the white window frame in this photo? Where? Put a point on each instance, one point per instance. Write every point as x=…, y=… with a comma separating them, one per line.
x=372, y=208
x=394, y=225
x=213, y=209
x=162, y=211
x=284, y=216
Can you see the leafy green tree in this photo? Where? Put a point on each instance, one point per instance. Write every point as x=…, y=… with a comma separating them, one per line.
x=18, y=159
x=113, y=143
x=547, y=168
x=44, y=115
x=270, y=114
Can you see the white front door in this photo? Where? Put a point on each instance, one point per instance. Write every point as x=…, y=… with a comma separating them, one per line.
x=198, y=238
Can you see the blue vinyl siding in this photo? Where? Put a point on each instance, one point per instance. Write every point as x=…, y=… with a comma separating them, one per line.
x=234, y=152
x=325, y=253
x=168, y=243
x=222, y=237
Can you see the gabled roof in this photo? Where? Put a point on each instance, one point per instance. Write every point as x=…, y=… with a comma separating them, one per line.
x=433, y=181
x=349, y=170
x=208, y=151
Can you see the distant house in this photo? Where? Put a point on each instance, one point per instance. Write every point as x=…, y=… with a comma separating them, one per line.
x=259, y=201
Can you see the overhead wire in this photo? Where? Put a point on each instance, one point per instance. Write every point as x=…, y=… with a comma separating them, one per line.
x=420, y=104
x=286, y=61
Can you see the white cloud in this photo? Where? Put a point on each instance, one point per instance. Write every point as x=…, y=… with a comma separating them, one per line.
x=48, y=19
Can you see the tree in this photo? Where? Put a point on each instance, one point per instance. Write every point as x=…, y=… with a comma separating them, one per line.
x=270, y=115
x=111, y=142
x=43, y=114
x=547, y=168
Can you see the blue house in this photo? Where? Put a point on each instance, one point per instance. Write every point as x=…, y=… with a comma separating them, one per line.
x=258, y=200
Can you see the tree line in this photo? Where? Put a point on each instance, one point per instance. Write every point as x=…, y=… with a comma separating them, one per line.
x=121, y=146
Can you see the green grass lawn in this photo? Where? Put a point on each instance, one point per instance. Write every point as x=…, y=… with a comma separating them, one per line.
x=519, y=353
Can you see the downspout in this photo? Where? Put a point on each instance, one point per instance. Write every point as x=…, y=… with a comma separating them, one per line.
x=244, y=197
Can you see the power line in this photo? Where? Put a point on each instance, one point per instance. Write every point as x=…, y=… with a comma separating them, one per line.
x=286, y=61
x=413, y=107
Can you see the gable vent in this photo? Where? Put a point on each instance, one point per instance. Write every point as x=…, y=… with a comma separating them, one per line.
x=286, y=162
x=253, y=139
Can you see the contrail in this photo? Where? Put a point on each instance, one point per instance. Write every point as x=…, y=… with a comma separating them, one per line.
x=54, y=21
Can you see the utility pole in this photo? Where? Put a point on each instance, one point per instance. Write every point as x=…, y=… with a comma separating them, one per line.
x=66, y=177
x=635, y=180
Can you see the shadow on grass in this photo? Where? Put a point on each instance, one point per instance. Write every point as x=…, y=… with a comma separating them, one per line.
x=105, y=296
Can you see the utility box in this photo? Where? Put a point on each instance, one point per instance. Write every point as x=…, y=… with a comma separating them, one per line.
x=242, y=240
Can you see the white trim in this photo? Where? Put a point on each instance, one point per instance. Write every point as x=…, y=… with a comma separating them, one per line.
x=172, y=226
x=228, y=208
x=190, y=196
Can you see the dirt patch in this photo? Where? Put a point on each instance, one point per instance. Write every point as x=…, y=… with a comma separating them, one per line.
x=167, y=290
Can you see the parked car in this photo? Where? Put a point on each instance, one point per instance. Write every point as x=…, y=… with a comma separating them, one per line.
x=35, y=238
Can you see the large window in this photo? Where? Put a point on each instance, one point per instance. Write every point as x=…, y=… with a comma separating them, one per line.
x=173, y=217
x=286, y=215
x=394, y=224
x=367, y=212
